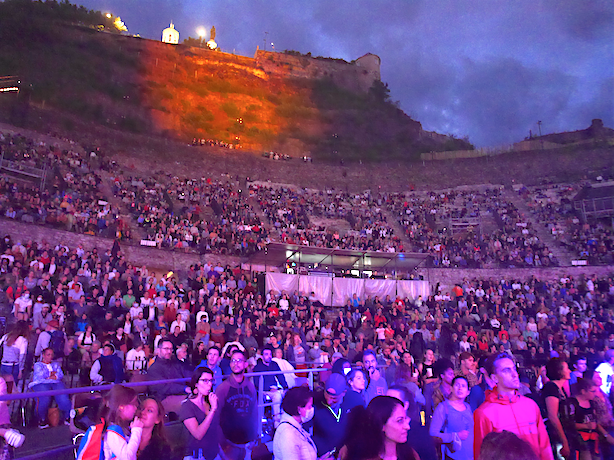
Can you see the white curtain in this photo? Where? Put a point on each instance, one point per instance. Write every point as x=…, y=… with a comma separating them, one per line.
x=343, y=288
x=281, y=282
x=339, y=290
x=321, y=286
x=380, y=288
x=412, y=289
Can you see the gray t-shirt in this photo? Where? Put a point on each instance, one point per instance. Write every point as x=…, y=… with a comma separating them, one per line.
x=376, y=388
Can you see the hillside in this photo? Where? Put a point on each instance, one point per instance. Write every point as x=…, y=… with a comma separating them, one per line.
x=85, y=71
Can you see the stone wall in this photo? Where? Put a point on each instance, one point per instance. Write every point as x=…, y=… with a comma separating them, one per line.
x=138, y=255
x=346, y=75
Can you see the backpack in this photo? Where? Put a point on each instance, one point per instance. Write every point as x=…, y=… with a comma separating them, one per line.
x=92, y=444
x=56, y=342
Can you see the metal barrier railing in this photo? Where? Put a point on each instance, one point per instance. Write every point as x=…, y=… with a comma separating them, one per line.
x=95, y=388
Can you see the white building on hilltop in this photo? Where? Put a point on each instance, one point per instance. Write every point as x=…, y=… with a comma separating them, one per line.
x=170, y=35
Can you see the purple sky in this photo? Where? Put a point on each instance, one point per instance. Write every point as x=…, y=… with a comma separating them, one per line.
x=487, y=69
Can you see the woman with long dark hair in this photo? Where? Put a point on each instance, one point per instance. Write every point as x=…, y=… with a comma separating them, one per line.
x=378, y=432
x=357, y=382
x=154, y=445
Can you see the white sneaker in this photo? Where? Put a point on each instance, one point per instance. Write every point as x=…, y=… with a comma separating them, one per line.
x=14, y=438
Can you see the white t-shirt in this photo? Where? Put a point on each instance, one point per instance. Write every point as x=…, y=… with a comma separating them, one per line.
x=200, y=315
x=135, y=360
x=606, y=372
x=22, y=304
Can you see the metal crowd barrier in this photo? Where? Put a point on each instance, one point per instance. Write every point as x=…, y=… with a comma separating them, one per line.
x=95, y=388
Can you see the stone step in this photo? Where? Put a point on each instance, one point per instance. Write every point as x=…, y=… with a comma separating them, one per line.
x=564, y=257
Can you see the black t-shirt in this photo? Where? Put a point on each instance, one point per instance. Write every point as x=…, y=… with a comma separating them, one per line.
x=157, y=449
x=566, y=408
x=583, y=414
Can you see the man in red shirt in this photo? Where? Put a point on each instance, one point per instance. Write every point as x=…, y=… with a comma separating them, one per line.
x=505, y=409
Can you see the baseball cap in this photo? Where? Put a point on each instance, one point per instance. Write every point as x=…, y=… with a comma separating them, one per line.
x=336, y=383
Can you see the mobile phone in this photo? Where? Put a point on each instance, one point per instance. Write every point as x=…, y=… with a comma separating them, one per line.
x=423, y=418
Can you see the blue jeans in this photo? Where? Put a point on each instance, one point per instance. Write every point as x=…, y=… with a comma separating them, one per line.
x=45, y=401
x=10, y=370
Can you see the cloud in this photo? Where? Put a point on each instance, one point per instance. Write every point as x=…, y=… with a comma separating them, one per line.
x=600, y=106
x=501, y=100
x=586, y=21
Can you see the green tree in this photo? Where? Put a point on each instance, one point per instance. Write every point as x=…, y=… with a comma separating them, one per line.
x=380, y=91
x=195, y=42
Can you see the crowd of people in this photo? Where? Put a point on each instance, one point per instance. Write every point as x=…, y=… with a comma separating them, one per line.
x=429, y=221
x=172, y=212
x=70, y=199
x=473, y=228
x=294, y=214
x=432, y=375
x=591, y=239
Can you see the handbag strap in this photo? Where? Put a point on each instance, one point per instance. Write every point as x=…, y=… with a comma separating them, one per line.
x=307, y=438
x=445, y=421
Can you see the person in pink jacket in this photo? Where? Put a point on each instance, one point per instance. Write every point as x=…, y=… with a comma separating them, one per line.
x=505, y=410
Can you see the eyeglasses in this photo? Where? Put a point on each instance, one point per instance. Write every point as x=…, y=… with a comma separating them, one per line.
x=237, y=361
x=206, y=380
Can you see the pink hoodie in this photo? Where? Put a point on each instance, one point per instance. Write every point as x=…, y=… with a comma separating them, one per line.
x=518, y=414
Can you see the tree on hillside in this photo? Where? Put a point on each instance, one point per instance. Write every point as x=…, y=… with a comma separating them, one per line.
x=380, y=91
x=195, y=42
x=25, y=18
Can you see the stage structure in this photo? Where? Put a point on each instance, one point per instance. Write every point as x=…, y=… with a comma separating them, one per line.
x=333, y=275
x=595, y=201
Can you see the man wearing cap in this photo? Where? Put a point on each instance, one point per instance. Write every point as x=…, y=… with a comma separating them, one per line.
x=38, y=305
x=329, y=420
x=606, y=371
x=467, y=368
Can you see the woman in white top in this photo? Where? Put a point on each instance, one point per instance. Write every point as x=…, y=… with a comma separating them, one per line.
x=128, y=324
x=179, y=323
x=291, y=441
x=86, y=339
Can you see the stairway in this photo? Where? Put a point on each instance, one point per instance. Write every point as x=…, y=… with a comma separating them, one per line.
x=265, y=221
x=393, y=221
x=564, y=257
x=105, y=187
